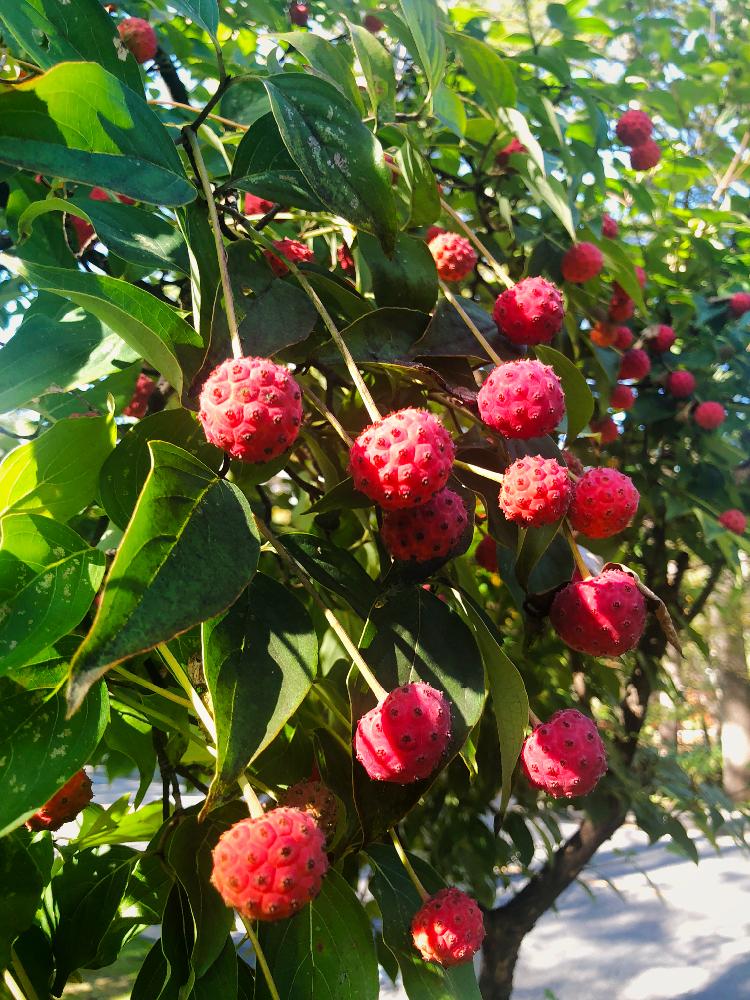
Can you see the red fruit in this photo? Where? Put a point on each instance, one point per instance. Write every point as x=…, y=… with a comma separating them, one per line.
x=299, y=14
x=314, y=798
x=739, y=303
x=373, y=23
x=603, y=334
x=604, y=503
x=634, y=128
x=709, y=415
x=251, y=408
x=645, y=156
x=535, y=491
x=454, y=256
x=634, y=364
x=448, y=928
x=610, y=229
x=139, y=38
x=271, y=866
x=514, y=147
x=64, y=805
x=606, y=428
x=734, y=520
x=641, y=276
x=403, y=738
x=665, y=337
x=486, y=554
x=624, y=338
x=565, y=756
x=621, y=306
x=522, y=399
x=403, y=459
x=84, y=231
x=345, y=259
x=434, y=231
x=622, y=397
x=531, y=312
x=427, y=532
x=138, y=405
x=582, y=263
x=253, y=205
x=603, y=615
x=573, y=462
x=681, y=384
x=292, y=250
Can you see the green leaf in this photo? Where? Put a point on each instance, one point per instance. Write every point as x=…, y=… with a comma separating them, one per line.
x=80, y=123
x=203, y=12
x=24, y=871
x=328, y=60
x=341, y=159
x=532, y=545
x=487, y=71
x=133, y=737
x=448, y=336
x=151, y=327
x=379, y=337
x=51, y=32
x=33, y=769
x=48, y=579
x=183, y=513
x=126, y=469
x=326, y=950
x=423, y=20
x=418, y=192
x=579, y=401
x=334, y=568
x=406, y=275
x=450, y=110
x=377, y=68
x=342, y=496
x=259, y=658
x=58, y=472
x=398, y=901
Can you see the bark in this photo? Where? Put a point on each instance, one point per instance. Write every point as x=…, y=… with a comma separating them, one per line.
x=730, y=660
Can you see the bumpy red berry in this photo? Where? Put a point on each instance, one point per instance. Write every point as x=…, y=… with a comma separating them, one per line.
x=299, y=14
x=314, y=798
x=604, y=503
x=681, y=384
x=739, y=303
x=144, y=390
x=604, y=615
x=610, y=229
x=535, y=491
x=514, y=147
x=622, y=397
x=645, y=156
x=454, y=256
x=565, y=756
x=251, y=408
x=373, y=23
x=522, y=399
x=531, y=312
x=403, y=459
x=448, y=929
x=253, y=205
x=427, y=532
x=621, y=306
x=486, y=554
x=641, y=275
x=345, y=259
x=635, y=364
x=582, y=263
x=624, y=338
x=734, y=520
x=434, y=231
x=271, y=866
x=606, y=428
x=64, y=805
x=404, y=738
x=634, y=127
x=709, y=415
x=573, y=462
x=139, y=38
x=292, y=250
x=663, y=340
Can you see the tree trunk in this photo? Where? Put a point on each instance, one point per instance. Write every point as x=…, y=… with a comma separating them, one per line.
x=730, y=661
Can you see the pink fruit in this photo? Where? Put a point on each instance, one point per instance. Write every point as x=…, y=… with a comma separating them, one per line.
x=739, y=303
x=513, y=148
x=624, y=338
x=641, y=276
x=427, y=532
x=404, y=738
x=665, y=337
x=681, y=384
x=634, y=128
x=314, y=798
x=604, y=615
x=522, y=399
x=531, y=312
x=604, y=503
x=535, y=491
x=454, y=256
x=403, y=459
x=582, y=262
x=139, y=38
x=486, y=554
x=299, y=14
x=709, y=415
x=292, y=250
x=253, y=205
x=64, y=805
x=565, y=756
x=645, y=156
x=373, y=23
x=434, y=231
x=635, y=364
x=138, y=405
x=622, y=397
x=734, y=520
x=448, y=928
x=621, y=306
x=610, y=229
x=271, y=866
x=573, y=462
x=606, y=428
x=251, y=408
x=345, y=259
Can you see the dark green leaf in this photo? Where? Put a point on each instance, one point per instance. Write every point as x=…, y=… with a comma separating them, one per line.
x=418, y=188
x=203, y=12
x=534, y=542
x=448, y=336
x=579, y=402
x=487, y=71
x=423, y=19
x=24, y=871
x=334, y=568
x=342, y=496
x=379, y=337
x=407, y=275
x=139, y=237
x=329, y=61
x=450, y=110
x=377, y=69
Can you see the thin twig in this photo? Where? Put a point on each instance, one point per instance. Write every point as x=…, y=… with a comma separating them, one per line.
x=330, y=417
x=577, y=554
x=478, y=335
x=260, y=958
x=478, y=470
x=423, y=893
x=501, y=272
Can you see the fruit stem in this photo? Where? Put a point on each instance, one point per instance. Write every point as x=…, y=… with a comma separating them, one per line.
x=331, y=705
x=423, y=893
x=369, y=677
x=330, y=417
x=577, y=556
x=254, y=806
x=191, y=140
x=142, y=682
x=184, y=681
x=500, y=271
x=478, y=335
x=260, y=958
x=496, y=477
x=12, y=986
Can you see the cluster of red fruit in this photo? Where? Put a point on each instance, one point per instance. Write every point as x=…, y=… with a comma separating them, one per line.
x=634, y=129
x=144, y=390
